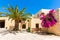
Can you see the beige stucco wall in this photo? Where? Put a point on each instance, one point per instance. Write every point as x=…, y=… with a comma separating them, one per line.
x=34, y=21
x=8, y=23
x=20, y=25
x=57, y=26
x=57, y=14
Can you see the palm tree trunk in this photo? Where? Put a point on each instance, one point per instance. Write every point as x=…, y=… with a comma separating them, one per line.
x=16, y=25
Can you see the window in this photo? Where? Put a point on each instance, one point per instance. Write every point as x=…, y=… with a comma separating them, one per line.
x=28, y=20
x=23, y=26
x=37, y=25
x=2, y=23
x=19, y=20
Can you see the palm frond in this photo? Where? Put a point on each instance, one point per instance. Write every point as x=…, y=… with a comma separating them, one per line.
x=26, y=16
x=22, y=11
x=15, y=14
x=11, y=9
x=16, y=9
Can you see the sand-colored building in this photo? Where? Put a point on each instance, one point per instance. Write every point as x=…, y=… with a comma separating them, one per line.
x=34, y=22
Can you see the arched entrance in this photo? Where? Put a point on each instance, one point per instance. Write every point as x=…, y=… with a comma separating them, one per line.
x=24, y=26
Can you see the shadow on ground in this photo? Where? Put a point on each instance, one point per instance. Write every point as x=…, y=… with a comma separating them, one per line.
x=7, y=32
x=44, y=33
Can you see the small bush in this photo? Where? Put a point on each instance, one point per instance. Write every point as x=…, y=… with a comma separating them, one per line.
x=28, y=30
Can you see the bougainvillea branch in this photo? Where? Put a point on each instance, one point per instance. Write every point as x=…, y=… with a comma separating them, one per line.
x=48, y=20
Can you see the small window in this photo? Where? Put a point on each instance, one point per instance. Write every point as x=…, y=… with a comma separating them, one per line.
x=20, y=21
x=23, y=26
x=28, y=20
x=37, y=25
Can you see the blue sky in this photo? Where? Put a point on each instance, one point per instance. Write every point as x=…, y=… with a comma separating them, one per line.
x=32, y=6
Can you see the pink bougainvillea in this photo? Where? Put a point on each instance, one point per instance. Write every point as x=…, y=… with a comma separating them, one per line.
x=48, y=20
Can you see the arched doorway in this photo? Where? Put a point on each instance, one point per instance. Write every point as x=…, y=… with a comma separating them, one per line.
x=24, y=26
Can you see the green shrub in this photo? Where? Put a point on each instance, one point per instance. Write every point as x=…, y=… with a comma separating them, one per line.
x=28, y=29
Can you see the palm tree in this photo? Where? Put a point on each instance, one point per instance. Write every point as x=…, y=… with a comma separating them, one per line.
x=17, y=15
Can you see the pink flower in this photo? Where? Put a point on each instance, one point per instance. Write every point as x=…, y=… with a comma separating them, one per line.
x=48, y=20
